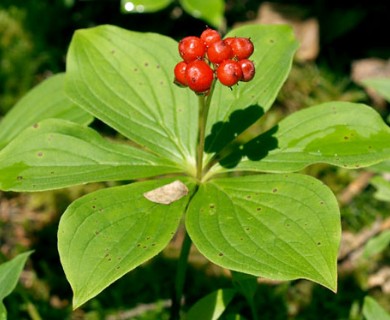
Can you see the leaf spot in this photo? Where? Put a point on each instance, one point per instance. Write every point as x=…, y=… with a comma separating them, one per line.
x=40, y=154
x=36, y=125
x=258, y=209
x=135, y=69
x=318, y=243
x=146, y=64
x=249, y=197
x=220, y=254
x=274, y=190
x=19, y=178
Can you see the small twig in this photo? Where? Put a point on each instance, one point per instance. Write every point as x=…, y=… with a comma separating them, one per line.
x=349, y=255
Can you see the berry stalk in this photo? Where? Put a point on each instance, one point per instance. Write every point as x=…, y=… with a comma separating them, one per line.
x=204, y=106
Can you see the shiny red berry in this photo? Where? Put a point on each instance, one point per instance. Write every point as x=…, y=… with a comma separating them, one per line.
x=191, y=48
x=242, y=48
x=199, y=76
x=229, y=72
x=180, y=74
x=210, y=36
x=218, y=52
x=229, y=40
x=248, y=70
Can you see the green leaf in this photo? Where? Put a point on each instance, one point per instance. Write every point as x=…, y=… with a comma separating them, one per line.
x=9, y=274
x=280, y=227
x=339, y=133
x=245, y=103
x=211, y=306
x=381, y=167
x=380, y=85
x=47, y=100
x=383, y=188
x=107, y=233
x=125, y=79
x=373, y=311
x=211, y=11
x=143, y=6
x=3, y=312
x=61, y=153
x=377, y=244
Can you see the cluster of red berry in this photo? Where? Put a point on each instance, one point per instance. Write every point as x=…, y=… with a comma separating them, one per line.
x=209, y=55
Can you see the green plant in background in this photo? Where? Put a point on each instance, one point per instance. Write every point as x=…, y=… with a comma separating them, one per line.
x=373, y=311
x=9, y=274
x=243, y=206
x=18, y=64
x=211, y=11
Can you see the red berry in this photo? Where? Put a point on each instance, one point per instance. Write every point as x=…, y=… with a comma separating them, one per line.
x=209, y=36
x=199, y=76
x=219, y=51
x=248, y=70
x=229, y=40
x=229, y=72
x=242, y=48
x=191, y=48
x=180, y=74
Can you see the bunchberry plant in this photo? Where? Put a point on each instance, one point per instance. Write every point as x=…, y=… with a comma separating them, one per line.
x=197, y=155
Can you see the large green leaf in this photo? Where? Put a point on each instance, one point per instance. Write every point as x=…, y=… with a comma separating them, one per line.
x=284, y=226
x=339, y=133
x=380, y=85
x=143, y=6
x=211, y=11
x=9, y=274
x=232, y=108
x=56, y=153
x=109, y=232
x=47, y=100
x=372, y=310
x=125, y=79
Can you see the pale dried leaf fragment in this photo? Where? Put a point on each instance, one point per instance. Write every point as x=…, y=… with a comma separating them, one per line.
x=168, y=193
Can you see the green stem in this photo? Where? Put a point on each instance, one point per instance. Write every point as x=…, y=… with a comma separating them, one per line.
x=201, y=136
x=204, y=106
x=253, y=310
x=180, y=277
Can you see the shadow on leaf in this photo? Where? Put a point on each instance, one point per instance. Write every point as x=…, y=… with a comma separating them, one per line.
x=237, y=137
